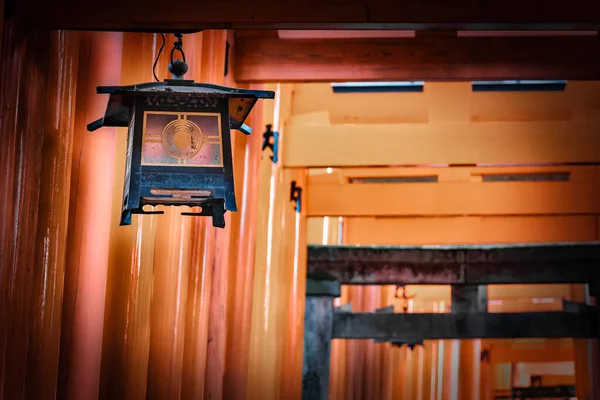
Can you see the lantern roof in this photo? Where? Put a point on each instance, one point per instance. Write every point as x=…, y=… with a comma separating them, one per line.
x=122, y=99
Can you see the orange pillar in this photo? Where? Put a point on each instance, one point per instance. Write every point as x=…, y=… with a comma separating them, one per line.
x=486, y=386
x=469, y=377
x=89, y=223
x=247, y=155
x=198, y=303
x=167, y=313
x=355, y=350
x=373, y=382
x=293, y=264
x=212, y=70
x=271, y=299
x=338, y=358
x=53, y=217
x=127, y=316
x=22, y=123
x=586, y=355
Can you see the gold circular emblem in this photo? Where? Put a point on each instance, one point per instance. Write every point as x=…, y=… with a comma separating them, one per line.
x=182, y=139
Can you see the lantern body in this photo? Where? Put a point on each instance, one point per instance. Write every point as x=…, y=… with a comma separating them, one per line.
x=179, y=144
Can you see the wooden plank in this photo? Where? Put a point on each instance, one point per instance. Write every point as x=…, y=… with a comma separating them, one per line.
x=311, y=14
x=454, y=192
x=578, y=99
x=424, y=326
x=468, y=230
x=420, y=58
x=325, y=145
x=453, y=199
x=469, y=265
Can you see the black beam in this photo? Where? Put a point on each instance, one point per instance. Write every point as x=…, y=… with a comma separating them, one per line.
x=467, y=265
x=465, y=325
x=310, y=14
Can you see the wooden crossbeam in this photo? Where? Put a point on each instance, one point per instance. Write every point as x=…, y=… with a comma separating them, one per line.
x=420, y=58
x=311, y=14
x=453, y=192
x=468, y=265
x=514, y=142
x=465, y=325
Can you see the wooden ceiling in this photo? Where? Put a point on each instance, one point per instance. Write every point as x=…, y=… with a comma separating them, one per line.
x=160, y=15
x=264, y=56
x=418, y=40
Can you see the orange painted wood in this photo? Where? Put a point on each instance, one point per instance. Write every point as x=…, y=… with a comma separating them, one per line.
x=414, y=59
x=469, y=230
x=23, y=70
x=168, y=311
x=53, y=216
x=586, y=355
x=355, y=351
x=212, y=70
x=274, y=283
x=247, y=155
x=470, y=370
x=127, y=317
x=455, y=196
x=428, y=371
x=320, y=144
x=443, y=101
x=198, y=303
x=549, y=353
x=487, y=381
x=293, y=263
x=89, y=223
x=372, y=377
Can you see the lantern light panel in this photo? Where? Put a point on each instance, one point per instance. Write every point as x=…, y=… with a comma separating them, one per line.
x=178, y=144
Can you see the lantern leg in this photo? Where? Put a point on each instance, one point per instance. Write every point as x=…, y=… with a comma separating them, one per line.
x=215, y=210
x=218, y=215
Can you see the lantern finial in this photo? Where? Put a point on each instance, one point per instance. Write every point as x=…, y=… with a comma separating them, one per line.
x=178, y=68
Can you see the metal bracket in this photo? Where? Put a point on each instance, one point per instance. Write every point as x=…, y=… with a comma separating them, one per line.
x=296, y=195
x=273, y=145
x=484, y=356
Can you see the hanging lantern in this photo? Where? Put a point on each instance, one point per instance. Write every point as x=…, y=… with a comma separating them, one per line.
x=178, y=145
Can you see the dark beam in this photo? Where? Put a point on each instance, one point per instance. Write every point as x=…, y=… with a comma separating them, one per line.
x=465, y=325
x=420, y=58
x=312, y=14
x=469, y=265
x=318, y=325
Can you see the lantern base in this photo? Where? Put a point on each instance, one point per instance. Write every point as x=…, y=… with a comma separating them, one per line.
x=214, y=209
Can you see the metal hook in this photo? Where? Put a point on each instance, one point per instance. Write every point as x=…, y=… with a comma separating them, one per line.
x=178, y=45
x=178, y=68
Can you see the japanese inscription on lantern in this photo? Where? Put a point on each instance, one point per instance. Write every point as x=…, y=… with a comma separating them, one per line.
x=182, y=139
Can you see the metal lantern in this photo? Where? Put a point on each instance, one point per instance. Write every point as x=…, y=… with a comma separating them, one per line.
x=178, y=145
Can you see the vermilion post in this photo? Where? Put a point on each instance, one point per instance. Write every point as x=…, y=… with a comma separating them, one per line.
x=89, y=230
